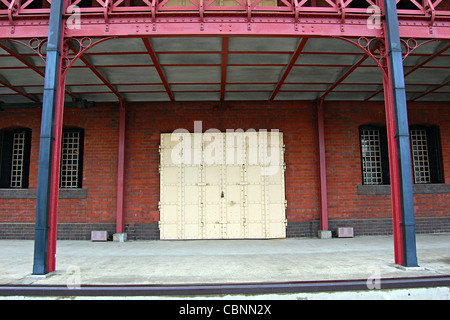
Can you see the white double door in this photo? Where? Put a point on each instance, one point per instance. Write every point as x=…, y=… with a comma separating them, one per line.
x=222, y=186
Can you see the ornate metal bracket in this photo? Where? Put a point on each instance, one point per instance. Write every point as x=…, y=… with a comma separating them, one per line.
x=369, y=46
x=411, y=44
x=80, y=47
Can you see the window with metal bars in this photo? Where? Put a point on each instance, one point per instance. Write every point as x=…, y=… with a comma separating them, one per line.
x=72, y=142
x=374, y=161
x=426, y=155
x=15, y=158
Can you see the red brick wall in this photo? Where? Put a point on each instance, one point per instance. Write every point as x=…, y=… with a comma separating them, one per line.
x=296, y=120
x=100, y=166
x=342, y=121
x=144, y=126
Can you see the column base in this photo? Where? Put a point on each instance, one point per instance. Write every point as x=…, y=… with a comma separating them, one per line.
x=403, y=268
x=119, y=237
x=324, y=234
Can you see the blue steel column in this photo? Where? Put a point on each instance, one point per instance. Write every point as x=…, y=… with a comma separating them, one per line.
x=403, y=145
x=46, y=139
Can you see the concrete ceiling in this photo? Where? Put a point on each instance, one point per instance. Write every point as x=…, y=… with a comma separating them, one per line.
x=212, y=69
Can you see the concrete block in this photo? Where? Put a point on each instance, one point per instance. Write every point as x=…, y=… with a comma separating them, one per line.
x=324, y=234
x=345, y=232
x=99, y=235
x=403, y=268
x=120, y=237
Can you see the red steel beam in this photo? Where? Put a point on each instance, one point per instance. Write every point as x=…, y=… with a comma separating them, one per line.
x=56, y=165
x=26, y=62
x=445, y=83
x=158, y=68
x=419, y=65
x=288, y=69
x=224, y=68
x=98, y=74
x=345, y=76
x=322, y=167
x=20, y=91
x=121, y=169
x=394, y=172
x=15, y=54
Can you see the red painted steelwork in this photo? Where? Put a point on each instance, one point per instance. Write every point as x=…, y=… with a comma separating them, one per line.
x=224, y=68
x=322, y=167
x=393, y=163
x=121, y=169
x=56, y=164
x=158, y=68
x=157, y=18
x=288, y=69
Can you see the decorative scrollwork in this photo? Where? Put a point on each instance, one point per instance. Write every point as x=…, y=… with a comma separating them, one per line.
x=35, y=44
x=370, y=46
x=411, y=44
x=373, y=47
x=73, y=48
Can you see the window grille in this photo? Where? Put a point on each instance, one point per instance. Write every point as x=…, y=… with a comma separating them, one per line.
x=70, y=159
x=421, y=162
x=371, y=156
x=18, y=153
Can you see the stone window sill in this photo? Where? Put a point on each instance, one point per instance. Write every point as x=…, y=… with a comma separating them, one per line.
x=31, y=193
x=373, y=190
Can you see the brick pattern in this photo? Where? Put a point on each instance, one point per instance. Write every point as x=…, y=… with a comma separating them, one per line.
x=365, y=227
x=142, y=231
x=295, y=229
x=145, y=123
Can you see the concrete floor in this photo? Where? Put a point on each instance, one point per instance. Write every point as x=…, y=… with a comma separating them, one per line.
x=223, y=261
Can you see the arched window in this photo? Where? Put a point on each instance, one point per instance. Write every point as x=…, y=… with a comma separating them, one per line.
x=15, y=157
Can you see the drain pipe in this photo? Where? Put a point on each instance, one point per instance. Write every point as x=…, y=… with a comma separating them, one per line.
x=397, y=79
x=52, y=73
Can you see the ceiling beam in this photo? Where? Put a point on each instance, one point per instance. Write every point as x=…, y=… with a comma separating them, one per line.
x=439, y=50
x=19, y=90
x=99, y=75
x=158, y=68
x=288, y=69
x=432, y=89
x=224, y=68
x=344, y=76
x=11, y=49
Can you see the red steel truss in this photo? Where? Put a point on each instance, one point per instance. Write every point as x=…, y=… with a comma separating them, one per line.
x=417, y=18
